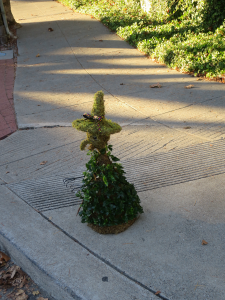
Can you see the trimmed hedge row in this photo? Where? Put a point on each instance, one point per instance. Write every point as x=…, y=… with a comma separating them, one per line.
x=184, y=34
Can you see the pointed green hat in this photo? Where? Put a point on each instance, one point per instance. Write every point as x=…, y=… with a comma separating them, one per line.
x=96, y=123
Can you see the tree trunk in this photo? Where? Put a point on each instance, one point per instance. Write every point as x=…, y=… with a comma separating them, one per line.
x=3, y=35
x=9, y=15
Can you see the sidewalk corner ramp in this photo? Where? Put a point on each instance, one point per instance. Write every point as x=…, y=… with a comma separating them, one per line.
x=58, y=264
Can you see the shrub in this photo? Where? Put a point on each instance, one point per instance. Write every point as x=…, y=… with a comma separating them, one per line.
x=185, y=34
x=107, y=197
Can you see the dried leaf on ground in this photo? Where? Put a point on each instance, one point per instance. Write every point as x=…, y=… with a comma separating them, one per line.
x=22, y=283
x=50, y=29
x=21, y=295
x=41, y=298
x=187, y=127
x=43, y=162
x=158, y=292
x=3, y=257
x=157, y=85
x=189, y=86
x=204, y=242
x=13, y=271
x=12, y=277
x=38, y=55
x=100, y=40
x=199, y=79
x=36, y=293
x=20, y=280
x=20, y=292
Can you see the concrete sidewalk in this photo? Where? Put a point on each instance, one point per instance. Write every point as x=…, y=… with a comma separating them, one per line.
x=171, y=146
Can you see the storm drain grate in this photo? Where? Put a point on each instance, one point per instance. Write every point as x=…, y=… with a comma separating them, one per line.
x=147, y=173
x=48, y=193
x=176, y=166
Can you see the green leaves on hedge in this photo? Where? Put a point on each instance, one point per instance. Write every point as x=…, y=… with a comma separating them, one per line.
x=185, y=34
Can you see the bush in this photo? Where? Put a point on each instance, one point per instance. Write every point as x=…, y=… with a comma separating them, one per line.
x=108, y=198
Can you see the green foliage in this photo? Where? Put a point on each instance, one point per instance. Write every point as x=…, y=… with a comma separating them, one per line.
x=181, y=45
x=98, y=106
x=184, y=34
x=210, y=14
x=98, y=130
x=107, y=126
x=108, y=199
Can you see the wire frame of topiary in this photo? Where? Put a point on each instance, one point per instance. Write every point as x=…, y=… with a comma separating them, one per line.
x=110, y=203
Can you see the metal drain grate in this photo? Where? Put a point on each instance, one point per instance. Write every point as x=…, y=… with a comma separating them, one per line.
x=48, y=193
x=176, y=166
x=147, y=173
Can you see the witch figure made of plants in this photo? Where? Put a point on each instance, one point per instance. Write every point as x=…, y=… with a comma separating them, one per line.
x=110, y=204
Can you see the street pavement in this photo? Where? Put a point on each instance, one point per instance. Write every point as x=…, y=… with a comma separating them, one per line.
x=171, y=146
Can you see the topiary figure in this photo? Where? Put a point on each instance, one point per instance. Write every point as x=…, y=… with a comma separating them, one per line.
x=110, y=203
x=98, y=128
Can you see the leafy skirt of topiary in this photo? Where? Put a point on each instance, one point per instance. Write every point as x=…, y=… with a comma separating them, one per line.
x=110, y=203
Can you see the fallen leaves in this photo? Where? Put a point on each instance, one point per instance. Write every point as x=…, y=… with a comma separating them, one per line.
x=43, y=162
x=14, y=269
x=189, y=86
x=38, y=55
x=20, y=295
x=204, y=242
x=158, y=292
x=187, y=127
x=16, y=284
x=9, y=279
x=50, y=29
x=157, y=85
x=4, y=258
x=35, y=293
